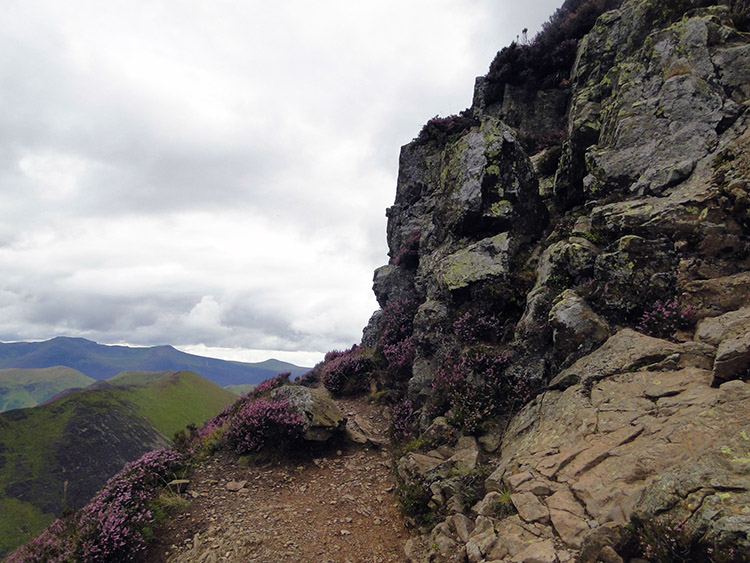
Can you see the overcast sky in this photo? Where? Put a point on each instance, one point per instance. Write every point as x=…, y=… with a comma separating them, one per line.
x=214, y=174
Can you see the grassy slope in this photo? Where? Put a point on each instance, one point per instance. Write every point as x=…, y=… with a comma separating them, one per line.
x=29, y=438
x=21, y=388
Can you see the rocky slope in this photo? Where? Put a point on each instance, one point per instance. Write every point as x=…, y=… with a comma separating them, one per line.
x=607, y=278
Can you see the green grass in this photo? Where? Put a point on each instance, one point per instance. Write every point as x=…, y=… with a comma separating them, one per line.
x=177, y=399
x=33, y=440
x=20, y=522
x=22, y=388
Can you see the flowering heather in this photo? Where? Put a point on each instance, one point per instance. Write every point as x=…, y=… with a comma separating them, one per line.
x=53, y=545
x=348, y=372
x=471, y=327
x=403, y=419
x=408, y=254
x=270, y=384
x=264, y=422
x=400, y=356
x=664, y=318
x=474, y=388
x=397, y=322
x=115, y=524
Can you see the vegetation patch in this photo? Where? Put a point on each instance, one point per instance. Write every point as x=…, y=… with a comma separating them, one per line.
x=116, y=523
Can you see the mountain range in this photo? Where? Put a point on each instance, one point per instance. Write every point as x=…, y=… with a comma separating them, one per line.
x=99, y=361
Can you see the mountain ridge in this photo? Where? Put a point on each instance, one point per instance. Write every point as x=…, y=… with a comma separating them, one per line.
x=100, y=361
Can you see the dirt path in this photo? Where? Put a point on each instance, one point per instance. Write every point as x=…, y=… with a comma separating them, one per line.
x=339, y=506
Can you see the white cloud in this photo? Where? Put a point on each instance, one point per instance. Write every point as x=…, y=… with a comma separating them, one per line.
x=214, y=175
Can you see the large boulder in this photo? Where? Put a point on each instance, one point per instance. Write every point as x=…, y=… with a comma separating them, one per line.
x=323, y=419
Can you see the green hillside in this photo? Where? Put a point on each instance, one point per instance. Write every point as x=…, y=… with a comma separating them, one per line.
x=57, y=455
x=21, y=388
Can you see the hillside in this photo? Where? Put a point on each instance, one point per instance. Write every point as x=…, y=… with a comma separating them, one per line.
x=55, y=456
x=102, y=362
x=21, y=388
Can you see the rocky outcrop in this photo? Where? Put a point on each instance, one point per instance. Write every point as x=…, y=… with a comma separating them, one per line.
x=321, y=417
x=624, y=317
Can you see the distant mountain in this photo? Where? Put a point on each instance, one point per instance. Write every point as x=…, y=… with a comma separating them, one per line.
x=21, y=388
x=56, y=455
x=102, y=362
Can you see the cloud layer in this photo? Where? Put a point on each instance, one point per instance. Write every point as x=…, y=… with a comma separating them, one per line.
x=214, y=175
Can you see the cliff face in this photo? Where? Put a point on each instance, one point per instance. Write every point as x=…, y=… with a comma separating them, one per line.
x=603, y=282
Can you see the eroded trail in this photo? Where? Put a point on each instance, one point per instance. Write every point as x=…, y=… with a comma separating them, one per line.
x=339, y=506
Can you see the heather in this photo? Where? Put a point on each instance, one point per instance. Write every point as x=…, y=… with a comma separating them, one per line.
x=262, y=423
x=546, y=60
x=348, y=372
x=474, y=387
x=117, y=523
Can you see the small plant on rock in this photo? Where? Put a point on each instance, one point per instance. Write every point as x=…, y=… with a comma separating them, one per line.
x=473, y=327
x=663, y=318
x=414, y=498
x=403, y=420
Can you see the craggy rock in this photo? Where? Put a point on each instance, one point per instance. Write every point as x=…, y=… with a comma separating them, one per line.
x=322, y=417
x=577, y=329
x=627, y=313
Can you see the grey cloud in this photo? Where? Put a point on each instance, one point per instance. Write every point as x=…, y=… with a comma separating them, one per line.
x=115, y=133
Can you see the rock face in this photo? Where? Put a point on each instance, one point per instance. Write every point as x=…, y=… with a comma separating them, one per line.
x=604, y=283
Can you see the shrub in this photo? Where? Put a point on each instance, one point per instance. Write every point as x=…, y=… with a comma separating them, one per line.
x=262, y=423
x=397, y=322
x=395, y=341
x=534, y=142
x=403, y=419
x=118, y=520
x=667, y=540
x=440, y=130
x=54, y=545
x=348, y=372
x=408, y=254
x=413, y=499
x=311, y=378
x=474, y=388
x=264, y=387
x=663, y=319
x=473, y=327
x=116, y=523
x=547, y=60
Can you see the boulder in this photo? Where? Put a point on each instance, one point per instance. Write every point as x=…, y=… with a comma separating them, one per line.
x=361, y=431
x=733, y=358
x=321, y=416
x=576, y=328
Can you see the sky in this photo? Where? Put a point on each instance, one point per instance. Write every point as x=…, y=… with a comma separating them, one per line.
x=214, y=174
